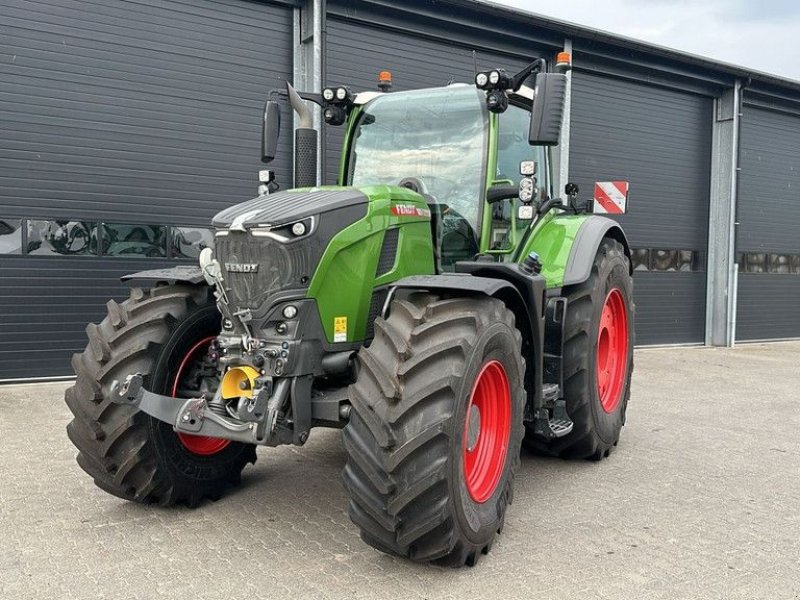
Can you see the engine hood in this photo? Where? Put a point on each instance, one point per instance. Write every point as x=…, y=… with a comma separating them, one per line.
x=284, y=207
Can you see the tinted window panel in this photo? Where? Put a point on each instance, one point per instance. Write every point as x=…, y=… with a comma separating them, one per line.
x=187, y=242
x=134, y=240
x=68, y=238
x=10, y=236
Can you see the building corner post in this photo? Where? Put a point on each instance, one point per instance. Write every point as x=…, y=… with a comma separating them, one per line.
x=722, y=268
x=308, y=40
x=561, y=158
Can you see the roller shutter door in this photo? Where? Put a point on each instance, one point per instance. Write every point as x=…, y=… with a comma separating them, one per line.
x=143, y=115
x=659, y=139
x=768, y=234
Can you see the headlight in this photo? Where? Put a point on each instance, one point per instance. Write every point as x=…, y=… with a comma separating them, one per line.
x=327, y=94
x=494, y=77
x=481, y=79
x=526, y=190
x=341, y=93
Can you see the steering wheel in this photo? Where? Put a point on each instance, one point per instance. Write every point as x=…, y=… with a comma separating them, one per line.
x=458, y=240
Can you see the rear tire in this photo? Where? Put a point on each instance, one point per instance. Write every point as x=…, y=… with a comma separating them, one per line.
x=596, y=388
x=420, y=484
x=128, y=453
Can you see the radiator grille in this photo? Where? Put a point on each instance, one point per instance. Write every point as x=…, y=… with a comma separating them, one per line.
x=280, y=266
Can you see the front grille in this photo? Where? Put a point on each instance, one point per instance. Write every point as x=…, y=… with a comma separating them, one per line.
x=280, y=266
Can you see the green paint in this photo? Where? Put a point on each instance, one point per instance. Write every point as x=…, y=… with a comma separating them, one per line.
x=491, y=158
x=345, y=278
x=552, y=240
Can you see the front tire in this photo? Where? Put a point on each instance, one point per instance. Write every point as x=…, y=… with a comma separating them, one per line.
x=162, y=334
x=597, y=359
x=435, y=430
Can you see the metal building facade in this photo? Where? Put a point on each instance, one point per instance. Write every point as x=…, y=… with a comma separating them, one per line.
x=126, y=126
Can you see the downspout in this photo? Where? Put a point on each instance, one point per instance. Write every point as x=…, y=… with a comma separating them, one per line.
x=733, y=279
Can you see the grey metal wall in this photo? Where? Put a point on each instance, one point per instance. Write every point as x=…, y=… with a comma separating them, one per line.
x=130, y=112
x=659, y=139
x=768, y=234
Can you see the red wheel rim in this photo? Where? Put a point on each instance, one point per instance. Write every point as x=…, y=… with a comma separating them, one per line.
x=612, y=350
x=487, y=431
x=202, y=445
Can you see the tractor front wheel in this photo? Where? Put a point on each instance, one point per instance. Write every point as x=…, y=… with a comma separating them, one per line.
x=164, y=334
x=435, y=430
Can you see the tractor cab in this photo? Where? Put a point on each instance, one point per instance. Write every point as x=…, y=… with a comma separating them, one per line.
x=445, y=144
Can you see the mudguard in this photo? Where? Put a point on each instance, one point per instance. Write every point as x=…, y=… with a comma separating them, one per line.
x=521, y=292
x=180, y=274
x=584, y=248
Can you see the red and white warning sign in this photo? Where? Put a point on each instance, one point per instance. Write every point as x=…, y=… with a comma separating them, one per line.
x=610, y=197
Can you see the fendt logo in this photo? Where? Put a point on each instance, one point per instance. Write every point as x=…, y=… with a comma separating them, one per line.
x=241, y=267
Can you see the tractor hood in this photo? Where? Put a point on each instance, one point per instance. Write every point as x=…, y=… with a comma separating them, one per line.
x=290, y=206
x=274, y=243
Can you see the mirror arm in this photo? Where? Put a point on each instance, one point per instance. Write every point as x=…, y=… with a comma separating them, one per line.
x=284, y=95
x=497, y=193
x=552, y=203
x=538, y=66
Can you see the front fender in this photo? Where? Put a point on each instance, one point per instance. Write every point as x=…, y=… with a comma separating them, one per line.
x=567, y=245
x=180, y=274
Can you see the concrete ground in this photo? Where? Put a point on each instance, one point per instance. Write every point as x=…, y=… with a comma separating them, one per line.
x=700, y=500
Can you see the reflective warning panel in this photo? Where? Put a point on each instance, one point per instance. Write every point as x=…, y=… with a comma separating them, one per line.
x=611, y=197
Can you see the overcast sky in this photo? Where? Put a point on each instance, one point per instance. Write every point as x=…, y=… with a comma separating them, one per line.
x=763, y=34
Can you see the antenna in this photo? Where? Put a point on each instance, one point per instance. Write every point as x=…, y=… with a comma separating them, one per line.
x=474, y=63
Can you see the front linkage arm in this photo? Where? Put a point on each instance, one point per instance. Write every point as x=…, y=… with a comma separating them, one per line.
x=194, y=416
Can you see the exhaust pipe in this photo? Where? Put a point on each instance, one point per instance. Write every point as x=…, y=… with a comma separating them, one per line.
x=305, y=142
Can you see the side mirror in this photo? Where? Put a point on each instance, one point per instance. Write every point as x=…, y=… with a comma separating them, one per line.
x=270, y=128
x=548, y=109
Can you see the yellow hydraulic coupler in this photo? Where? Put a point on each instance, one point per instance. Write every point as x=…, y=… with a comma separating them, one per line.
x=239, y=381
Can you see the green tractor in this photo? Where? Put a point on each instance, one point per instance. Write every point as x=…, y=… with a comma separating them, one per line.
x=439, y=305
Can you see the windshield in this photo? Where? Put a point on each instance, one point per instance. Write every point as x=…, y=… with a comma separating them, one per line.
x=437, y=136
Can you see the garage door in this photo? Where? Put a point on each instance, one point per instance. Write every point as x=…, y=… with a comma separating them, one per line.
x=768, y=234
x=125, y=127
x=357, y=52
x=659, y=139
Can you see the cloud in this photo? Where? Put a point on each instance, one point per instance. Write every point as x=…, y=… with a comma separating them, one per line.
x=761, y=36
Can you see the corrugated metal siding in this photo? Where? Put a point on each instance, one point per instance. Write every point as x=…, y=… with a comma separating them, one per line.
x=46, y=303
x=768, y=208
x=145, y=111
x=154, y=106
x=768, y=213
x=356, y=53
x=659, y=139
x=768, y=306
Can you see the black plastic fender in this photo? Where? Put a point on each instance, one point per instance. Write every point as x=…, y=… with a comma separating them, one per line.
x=180, y=274
x=524, y=295
x=584, y=248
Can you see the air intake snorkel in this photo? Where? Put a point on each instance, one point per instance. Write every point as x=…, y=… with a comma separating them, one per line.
x=305, y=142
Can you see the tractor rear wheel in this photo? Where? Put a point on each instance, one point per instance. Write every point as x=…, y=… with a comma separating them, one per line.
x=597, y=359
x=435, y=429
x=164, y=334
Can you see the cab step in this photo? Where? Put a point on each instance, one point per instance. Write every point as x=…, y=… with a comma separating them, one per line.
x=558, y=424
